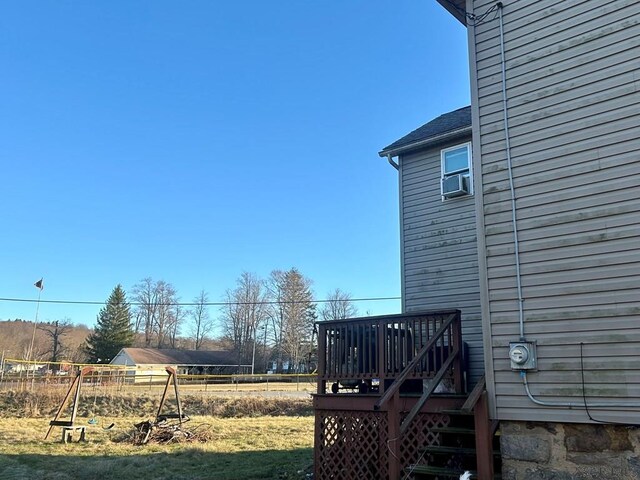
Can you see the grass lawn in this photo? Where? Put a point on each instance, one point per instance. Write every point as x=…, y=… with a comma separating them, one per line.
x=239, y=448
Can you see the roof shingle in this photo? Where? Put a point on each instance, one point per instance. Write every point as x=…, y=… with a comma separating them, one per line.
x=168, y=356
x=447, y=123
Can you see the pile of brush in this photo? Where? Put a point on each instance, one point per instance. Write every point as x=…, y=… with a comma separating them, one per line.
x=164, y=432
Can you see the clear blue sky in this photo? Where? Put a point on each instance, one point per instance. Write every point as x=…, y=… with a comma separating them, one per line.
x=191, y=141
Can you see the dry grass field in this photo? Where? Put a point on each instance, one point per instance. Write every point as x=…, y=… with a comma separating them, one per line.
x=212, y=384
x=250, y=438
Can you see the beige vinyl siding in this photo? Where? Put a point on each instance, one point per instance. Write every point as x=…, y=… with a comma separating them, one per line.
x=573, y=89
x=440, y=255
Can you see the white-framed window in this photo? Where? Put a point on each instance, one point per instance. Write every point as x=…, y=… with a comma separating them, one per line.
x=457, y=172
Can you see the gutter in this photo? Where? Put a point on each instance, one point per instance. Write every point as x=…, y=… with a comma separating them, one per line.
x=394, y=152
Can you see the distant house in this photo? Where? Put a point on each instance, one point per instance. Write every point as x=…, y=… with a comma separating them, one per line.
x=152, y=361
x=15, y=367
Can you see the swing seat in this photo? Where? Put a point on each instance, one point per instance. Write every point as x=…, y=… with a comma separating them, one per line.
x=68, y=429
x=172, y=416
x=61, y=423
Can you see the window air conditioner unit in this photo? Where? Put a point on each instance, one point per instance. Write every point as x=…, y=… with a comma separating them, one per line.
x=455, y=186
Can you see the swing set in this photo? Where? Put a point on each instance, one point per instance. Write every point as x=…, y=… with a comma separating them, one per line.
x=69, y=427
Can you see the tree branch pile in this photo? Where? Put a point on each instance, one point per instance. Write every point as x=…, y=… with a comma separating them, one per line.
x=167, y=432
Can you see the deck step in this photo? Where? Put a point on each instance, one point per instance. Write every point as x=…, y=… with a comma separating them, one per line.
x=439, y=471
x=449, y=450
x=449, y=396
x=464, y=413
x=438, y=449
x=458, y=430
x=442, y=472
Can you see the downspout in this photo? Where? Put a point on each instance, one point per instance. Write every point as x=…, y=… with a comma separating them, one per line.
x=391, y=162
x=514, y=222
x=396, y=165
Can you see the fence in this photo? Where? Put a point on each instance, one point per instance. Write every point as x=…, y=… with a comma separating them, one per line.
x=34, y=376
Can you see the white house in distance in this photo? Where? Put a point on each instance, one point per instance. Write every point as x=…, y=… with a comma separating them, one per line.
x=147, y=362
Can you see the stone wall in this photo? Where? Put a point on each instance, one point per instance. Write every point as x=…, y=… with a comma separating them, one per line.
x=556, y=451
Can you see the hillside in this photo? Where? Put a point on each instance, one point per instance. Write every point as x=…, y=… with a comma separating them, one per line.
x=16, y=335
x=15, y=338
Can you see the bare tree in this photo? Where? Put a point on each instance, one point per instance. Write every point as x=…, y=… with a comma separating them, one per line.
x=245, y=310
x=201, y=323
x=277, y=318
x=55, y=331
x=144, y=296
x=164, y=318
x=178, y=315
x=155, y=312
x=338, y=306
x=292, y=316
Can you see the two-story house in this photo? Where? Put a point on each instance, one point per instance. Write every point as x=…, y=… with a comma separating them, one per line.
x=555, y=90
x=548, y=306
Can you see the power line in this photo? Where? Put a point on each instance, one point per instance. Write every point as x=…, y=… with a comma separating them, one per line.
x=472, y=19
x=192, y=304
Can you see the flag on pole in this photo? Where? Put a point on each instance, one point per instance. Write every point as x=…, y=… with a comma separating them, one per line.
x=39, y=284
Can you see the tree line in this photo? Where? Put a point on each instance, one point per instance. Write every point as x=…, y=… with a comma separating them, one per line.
x=268, y=323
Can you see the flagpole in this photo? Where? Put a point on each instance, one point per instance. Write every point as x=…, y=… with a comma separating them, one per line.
x=35, y=325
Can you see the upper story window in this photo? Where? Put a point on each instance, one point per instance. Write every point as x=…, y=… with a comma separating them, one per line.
x=457, y=177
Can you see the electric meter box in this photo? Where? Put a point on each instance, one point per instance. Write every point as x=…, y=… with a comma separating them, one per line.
x=523, y=355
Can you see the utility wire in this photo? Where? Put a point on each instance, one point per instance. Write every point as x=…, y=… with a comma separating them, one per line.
x=472, y=19
x=208, y=304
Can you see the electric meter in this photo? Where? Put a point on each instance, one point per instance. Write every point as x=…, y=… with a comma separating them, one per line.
x=522, y=355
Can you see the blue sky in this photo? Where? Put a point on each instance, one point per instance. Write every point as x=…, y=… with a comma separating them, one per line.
x=191, y=141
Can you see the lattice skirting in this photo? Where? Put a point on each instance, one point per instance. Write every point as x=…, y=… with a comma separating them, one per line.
x=353, y=445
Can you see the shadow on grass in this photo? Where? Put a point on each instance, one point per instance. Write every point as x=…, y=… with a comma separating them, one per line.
x=183, y=464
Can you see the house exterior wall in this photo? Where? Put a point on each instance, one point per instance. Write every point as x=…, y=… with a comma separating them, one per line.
x=438, y=242
x=143, y=373
x=573, y=90
x=151, y=373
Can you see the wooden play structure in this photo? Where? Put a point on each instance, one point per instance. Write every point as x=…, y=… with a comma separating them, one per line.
x=71, y=427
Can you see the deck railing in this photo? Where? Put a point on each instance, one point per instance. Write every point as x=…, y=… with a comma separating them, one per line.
x=369, y=354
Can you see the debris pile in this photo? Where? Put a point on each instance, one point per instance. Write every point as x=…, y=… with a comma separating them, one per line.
x=168, y=432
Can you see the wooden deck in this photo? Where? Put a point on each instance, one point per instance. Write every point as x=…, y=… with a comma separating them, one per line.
x=376, y=407
x=372, y=353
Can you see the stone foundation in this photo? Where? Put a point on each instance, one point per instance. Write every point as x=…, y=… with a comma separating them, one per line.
x=557, y=451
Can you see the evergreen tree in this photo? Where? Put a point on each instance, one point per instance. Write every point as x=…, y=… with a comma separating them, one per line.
x=113, y=330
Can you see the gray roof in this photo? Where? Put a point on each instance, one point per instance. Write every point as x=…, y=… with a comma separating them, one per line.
x=446, y=126
x=169, y=356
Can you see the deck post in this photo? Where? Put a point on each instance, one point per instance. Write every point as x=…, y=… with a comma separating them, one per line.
x=394, y=437
x=322, y=359
x=381, y=360
x=484, y=439
x=318, y=442
x=458, y=367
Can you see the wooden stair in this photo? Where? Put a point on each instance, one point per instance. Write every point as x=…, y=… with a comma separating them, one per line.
x=468, y=443
x=427, y=471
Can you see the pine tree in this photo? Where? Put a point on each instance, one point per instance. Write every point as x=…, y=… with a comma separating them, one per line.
x=113, y=330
